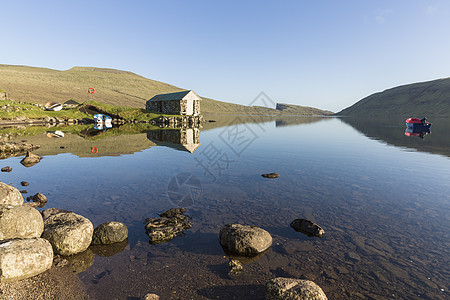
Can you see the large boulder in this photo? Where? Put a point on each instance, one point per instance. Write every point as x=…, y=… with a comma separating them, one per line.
x=294, y=289
x=68, y=233
x=109, y=233
x=20, y=222
x=244, y=240
x=23, y=258
x=10, y=195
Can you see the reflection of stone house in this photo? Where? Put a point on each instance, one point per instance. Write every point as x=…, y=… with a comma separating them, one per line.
x=180, y=103
x=185, y=139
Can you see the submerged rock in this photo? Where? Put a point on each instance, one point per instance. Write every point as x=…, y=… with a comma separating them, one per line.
x=10, y=195
x=46, y=213
x=270, y=175
x=24, y=183
x=151, y=297
x=296, y=289
x=30, y=159
x=109, y=233
x=68, y=233
x=6, y=169
x=23, y=258
x=109, y=250
x=307, y=227
x=40, y=198
x=170, y=224
x=20, y=222
x=244, y=240
x=235, y=266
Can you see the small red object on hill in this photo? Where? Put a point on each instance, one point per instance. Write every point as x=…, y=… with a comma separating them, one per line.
x=91, y=90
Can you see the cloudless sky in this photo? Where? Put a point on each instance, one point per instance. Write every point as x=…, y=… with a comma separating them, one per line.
x=327, y=54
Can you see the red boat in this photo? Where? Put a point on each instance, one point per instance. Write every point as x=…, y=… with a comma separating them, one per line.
x=416, y=123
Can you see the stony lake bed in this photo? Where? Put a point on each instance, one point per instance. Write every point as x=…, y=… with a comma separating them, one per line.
x=381, y=197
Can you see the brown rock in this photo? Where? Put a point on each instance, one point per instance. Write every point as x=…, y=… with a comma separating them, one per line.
x=307, y=227
x=30, y=159
x=6, y=169
x=270, y=175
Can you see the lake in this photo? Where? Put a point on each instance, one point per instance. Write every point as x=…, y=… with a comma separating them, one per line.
x=382, y=198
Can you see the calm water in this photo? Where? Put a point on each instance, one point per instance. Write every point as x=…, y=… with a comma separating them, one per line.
x=381, y=197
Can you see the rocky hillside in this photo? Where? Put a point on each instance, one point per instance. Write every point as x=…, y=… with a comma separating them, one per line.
x=115, y=87
x=431, y=98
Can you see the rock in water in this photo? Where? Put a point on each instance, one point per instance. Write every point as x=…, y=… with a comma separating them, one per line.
x=68, y=233
x=30, y=159
x=10, y=195
x=244, y=240
x=296, y=289
x=170, y=224
x=6, y=169
x=24, y=183
x=46, y=213
x=109, y=233
x=20, y=222
x=23, y=258
x=307, y=227
x=40, y=198
x=270, y=175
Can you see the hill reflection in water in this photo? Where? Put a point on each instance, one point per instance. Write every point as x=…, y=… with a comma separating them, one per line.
x=392, y=131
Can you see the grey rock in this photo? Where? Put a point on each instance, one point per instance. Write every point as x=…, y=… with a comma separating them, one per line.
x=30, y=159
x=68, y=233
x=307, y=227
x=20, y=222
x=294, y=289
x=23, y=258
x=10, y=195
x=110, y=233
x=244, y=240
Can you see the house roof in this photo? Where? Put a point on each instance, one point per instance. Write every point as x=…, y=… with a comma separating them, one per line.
x=176, y=96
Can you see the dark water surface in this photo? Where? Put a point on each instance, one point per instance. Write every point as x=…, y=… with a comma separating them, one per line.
x=381, y=197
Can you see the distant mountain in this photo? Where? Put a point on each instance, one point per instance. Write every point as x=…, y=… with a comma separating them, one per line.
x=115, y=87
x=305, y=110
x=431, y=98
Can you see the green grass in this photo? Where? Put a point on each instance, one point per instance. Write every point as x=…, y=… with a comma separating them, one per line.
x=12, y=109
x=127, y=113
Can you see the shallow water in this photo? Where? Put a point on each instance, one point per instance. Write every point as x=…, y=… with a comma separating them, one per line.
x=381, y=197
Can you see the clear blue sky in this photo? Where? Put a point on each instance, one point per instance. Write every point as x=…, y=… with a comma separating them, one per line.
x=326, y=54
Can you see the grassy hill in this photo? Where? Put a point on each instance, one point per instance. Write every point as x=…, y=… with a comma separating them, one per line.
x=431, y=98
x=115, y=87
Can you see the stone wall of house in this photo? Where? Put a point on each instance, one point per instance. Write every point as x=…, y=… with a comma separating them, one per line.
x=196, y=107
x=165, y=107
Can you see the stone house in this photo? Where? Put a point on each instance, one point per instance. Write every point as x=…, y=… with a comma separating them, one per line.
x=179, y=103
